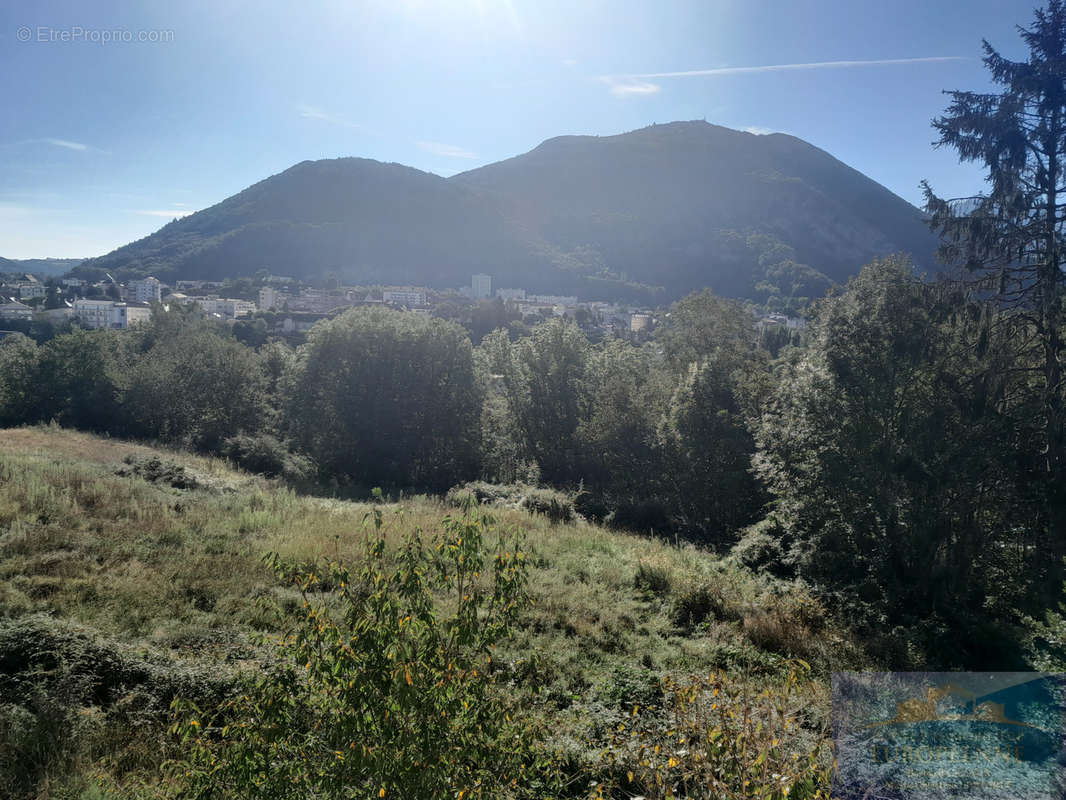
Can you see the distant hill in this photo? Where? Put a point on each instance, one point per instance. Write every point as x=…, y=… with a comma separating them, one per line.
x=40, y=266
x=678, y=206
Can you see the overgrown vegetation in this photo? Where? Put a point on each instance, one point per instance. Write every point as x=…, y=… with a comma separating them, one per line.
x=122, y=589
x=885, y=490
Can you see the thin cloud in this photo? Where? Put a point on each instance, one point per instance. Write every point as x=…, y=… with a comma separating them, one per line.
x=69, y=145
x=640, y=82
x=445, y=150
x=170, y=213
x=16, y=210
x=313, y=112
x=757, y=130
x=625, y=86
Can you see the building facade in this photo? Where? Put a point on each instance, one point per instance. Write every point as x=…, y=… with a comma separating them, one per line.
x=96, y=314
x=147, y=290
x=404, y=297
x=481, y=285
x=15, y=310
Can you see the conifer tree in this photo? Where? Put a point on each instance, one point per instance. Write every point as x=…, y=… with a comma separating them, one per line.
x=1011, y=236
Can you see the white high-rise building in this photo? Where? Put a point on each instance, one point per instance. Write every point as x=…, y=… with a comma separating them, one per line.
x=147, y=290
x=271, y=298
x=481, y=285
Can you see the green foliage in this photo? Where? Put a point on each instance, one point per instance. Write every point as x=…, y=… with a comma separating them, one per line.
x=269, y=456
x=18, y=372
x=764, y=547
x=69, y=694
x=704, y=326
x=1011, y=238
x=542, y=377
x=196, y=388
x=81, y=379
x=628, y=390
x=707, y=450
x=556, y=506
x=384, y=397
x=714, y=737
x=872, y=446
x=653, y=579
x=379, y=690
x=656, y=437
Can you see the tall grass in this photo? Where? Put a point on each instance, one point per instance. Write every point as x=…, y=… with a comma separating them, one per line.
x=177, y=574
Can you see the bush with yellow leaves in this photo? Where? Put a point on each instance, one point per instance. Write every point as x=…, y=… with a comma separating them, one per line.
x=714, y=738
x=383, y=685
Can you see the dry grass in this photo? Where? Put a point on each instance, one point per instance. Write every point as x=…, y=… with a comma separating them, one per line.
x=182, y=571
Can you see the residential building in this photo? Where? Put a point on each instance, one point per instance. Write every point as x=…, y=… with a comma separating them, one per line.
x=481, y=286
x=28, y=289
x=270, y=298
x=640, y=322
x=554, y=299
x=404, y=297
x=318, y=302
x=110, y=314
x=15, y=310
x=511, y=294
x=147, y=290
x=93, y=313
x=781, y=321
x=225, y=307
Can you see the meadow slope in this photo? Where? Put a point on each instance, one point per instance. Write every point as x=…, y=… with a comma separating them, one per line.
x=130, y=575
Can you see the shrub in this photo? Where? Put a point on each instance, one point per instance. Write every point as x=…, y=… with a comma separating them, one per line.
x=376, y=692
x=653, y=579
x=628, y=686
x=763, y=548
x=556, y=506
x=486, y=494
x=67, y=693
x=696, y=601
x=721, y=740
x=269, y=456
x=39, y=741
x=169, y=473
x=40, y=655
x=788, y=625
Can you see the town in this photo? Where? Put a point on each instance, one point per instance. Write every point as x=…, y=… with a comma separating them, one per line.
x=289, y=307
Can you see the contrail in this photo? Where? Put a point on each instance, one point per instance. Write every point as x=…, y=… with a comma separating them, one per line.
x=695, y=73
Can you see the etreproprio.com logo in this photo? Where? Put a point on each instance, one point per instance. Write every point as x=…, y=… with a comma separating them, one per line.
x=959, y=735
x=77, y=34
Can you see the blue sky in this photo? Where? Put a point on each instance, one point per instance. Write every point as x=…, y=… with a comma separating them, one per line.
x=101, y=142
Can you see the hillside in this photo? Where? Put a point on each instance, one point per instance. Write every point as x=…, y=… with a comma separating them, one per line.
x=39, y=266
x=678, y=206
x=129, y=576
x=355, y=218
x=666, y=204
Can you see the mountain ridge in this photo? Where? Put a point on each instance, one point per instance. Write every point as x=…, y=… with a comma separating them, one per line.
x=679, y=206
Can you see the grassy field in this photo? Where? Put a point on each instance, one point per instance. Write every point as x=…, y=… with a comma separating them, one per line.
x=151, y=561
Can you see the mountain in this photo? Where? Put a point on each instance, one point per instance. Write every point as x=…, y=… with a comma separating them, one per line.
x=42, y=267
x=677, y=206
